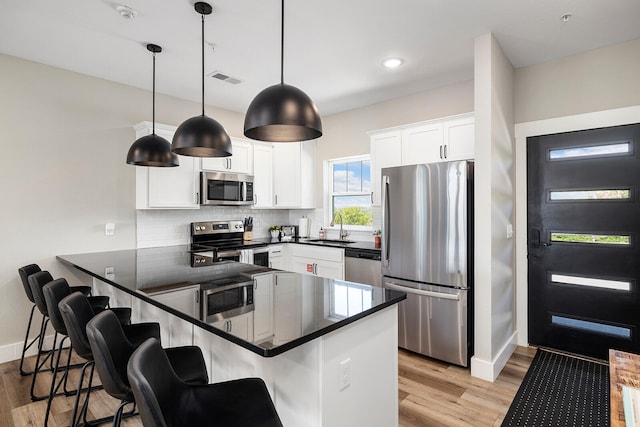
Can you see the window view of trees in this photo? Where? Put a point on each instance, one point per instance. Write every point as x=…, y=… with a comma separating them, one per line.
x=350, y=191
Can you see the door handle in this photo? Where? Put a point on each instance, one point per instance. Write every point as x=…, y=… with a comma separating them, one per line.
x=385, y=220
x=534, y=239
x=453, y=297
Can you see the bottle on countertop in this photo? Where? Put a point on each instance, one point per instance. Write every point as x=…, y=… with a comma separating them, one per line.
x=322, y=234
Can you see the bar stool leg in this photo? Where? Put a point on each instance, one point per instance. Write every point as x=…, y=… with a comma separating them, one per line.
x=55, y=387
x=26, y=346
x=39, y=364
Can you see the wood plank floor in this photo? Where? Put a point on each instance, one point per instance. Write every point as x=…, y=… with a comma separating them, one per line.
x=431, y=393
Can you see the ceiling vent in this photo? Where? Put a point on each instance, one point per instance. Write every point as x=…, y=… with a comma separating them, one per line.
x=225, y=78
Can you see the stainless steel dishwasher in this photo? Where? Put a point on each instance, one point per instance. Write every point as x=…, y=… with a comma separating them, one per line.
x=363, y=266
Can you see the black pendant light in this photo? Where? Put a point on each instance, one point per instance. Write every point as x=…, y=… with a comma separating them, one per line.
x=152, y=150
x=201, y=136
x=282, y=113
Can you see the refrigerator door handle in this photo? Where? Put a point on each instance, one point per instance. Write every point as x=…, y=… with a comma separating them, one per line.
x=421, y=292
x=385, y=220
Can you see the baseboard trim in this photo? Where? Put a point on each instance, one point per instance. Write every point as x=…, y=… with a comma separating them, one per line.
x=489, y=371
x=11, y=352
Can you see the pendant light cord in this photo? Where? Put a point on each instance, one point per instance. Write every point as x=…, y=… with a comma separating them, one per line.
x=153, y=98
x=203, y=64
x=282, y=43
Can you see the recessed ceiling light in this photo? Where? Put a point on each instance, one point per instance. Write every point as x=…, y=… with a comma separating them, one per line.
x=126, y=11
x=392, y=62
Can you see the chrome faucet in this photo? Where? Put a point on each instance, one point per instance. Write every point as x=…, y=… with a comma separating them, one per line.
x=343, y=233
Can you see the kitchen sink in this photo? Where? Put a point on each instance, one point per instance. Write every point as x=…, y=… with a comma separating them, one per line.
x=331, y=241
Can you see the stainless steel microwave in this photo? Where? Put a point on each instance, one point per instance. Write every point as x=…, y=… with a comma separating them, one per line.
x=222, y=188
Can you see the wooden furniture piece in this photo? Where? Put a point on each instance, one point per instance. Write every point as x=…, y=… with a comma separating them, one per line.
x=624, y=370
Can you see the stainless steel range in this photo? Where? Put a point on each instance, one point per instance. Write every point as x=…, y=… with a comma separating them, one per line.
x=215, y=241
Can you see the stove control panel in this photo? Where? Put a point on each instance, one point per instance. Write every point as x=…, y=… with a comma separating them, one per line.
x=216, y=227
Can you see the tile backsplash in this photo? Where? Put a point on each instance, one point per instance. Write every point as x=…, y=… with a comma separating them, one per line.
x=167, y=227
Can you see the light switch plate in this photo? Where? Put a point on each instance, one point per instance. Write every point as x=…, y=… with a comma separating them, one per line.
x=109, y=229
x=509, y=231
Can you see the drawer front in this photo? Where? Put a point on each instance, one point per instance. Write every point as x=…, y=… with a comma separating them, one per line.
x=317, y=252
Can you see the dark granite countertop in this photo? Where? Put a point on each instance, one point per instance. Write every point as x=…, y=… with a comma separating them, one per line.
x=369, y=246
x=318, y=300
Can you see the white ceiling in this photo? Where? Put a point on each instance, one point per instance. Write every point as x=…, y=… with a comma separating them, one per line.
x=333, y=48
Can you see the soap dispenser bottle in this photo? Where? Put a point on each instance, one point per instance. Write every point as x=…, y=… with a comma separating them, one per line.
x=322, y=234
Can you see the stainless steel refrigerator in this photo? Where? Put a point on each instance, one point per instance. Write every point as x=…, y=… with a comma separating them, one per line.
x=427, y=244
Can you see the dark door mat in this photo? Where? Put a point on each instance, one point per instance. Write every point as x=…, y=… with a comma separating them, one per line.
x=560, y=390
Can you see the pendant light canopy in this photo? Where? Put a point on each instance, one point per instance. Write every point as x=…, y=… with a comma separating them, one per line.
x=282, y=113
x=152, y=150
x=201, y=136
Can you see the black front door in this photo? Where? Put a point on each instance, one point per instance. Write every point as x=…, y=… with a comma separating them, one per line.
x=583, y=240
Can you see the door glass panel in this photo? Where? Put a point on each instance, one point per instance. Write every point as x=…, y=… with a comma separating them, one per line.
x=587, y=326
x=592, y=151
x=623, y=194
x=588, y=281
x=606, y=239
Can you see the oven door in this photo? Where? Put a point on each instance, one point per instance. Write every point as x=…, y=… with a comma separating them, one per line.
x=231, y=255
x=219, y=304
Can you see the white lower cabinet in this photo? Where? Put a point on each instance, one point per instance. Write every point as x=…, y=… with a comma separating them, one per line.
x=278, y=257
x=240, y=326
x=287, y=324
x=263, y=307
x=319, y=261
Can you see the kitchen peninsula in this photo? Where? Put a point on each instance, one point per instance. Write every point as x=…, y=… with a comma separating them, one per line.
x=327, y=349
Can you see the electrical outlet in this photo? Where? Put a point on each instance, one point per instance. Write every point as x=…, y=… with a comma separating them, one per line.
x=109, y=273
x=109, y=229
x=509, y=231
x=345, y=374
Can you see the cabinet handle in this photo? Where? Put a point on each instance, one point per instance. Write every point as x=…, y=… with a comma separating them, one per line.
x=372, y=197
x=255, y=284
x=255, y=199
x=197, y=198
x=441, y=152
x=276, y=199
x=197, y=297
x=230, y=325
x=445, y=151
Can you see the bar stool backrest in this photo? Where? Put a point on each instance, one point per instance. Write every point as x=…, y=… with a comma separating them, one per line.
x=24, y=273
x=36, y=283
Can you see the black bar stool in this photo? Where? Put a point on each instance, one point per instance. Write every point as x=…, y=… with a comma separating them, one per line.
x=54, y=292
x=165, y=400
x=112, y=349
x=76, y=313
x=24, y=273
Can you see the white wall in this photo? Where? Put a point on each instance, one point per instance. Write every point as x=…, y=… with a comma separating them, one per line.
x=494, y=264
x=65, y=137
x=602, y=79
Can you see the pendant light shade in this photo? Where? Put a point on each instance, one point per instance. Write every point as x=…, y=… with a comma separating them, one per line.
x=152, y=150
x=282, y=113
x=201, y=136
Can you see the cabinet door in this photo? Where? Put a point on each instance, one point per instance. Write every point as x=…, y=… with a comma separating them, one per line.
x=168, y=188
x=286, y=175
x=422, y=144
x=263, y=175
x=459, y=136
x=318, y=267
x=263, y=307
x=287, y=324
x=241, y=161
x=330, y=269
x=240, y=326
x=385, y=152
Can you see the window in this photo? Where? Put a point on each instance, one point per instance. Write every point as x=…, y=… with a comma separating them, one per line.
x=349, y=185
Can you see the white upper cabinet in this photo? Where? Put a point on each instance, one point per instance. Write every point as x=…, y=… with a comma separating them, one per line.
x=263, y=175
x=167, y=187
x=294, y=174
x=422, y=144
x=385, y=152
x=241, y=161
x=459, y=136
x=429, y=142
